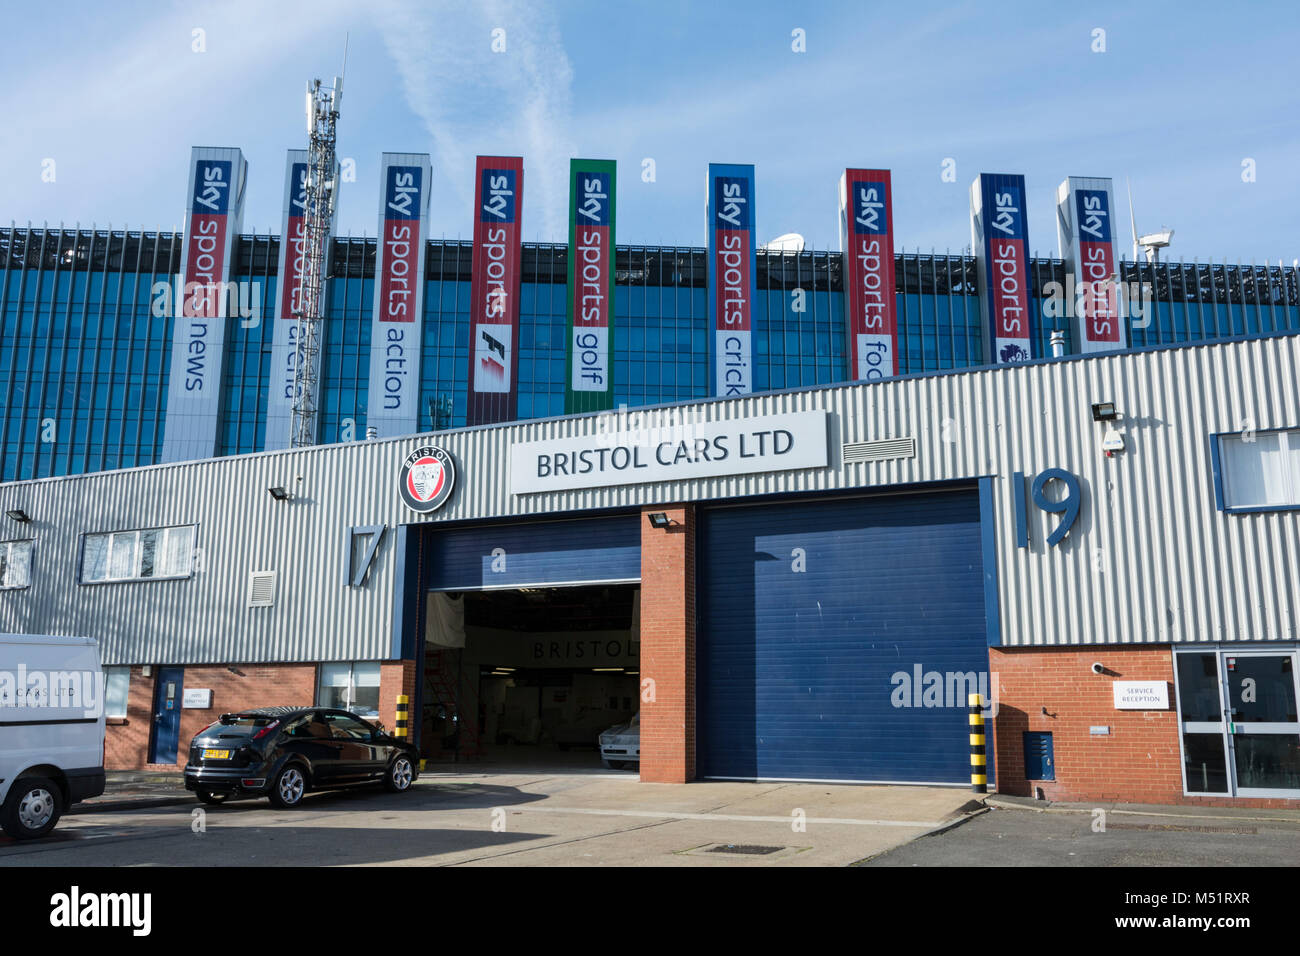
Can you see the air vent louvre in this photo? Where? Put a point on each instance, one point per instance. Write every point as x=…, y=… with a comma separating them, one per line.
x=261, y=589
x=879, y=450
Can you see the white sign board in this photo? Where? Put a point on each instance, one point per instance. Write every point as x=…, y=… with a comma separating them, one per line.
x=671, y=453
x=1141, y=695
x=196, y=698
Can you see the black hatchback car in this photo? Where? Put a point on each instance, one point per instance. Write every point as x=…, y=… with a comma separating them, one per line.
x=283, y=752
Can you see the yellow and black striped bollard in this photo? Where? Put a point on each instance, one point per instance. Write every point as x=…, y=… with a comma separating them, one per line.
x=401, y=731
x=979, y=770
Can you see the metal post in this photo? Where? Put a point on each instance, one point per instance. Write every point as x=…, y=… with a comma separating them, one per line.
x=979, y=780
x=402, y=731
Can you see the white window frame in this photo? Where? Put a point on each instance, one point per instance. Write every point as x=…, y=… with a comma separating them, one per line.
x=350, y=697
x=111, y=537
x=1288, y=441
x=8, y=548
x=110, y=672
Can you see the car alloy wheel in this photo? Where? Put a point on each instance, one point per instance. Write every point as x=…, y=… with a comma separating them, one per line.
x=36, y=808
x=400, y=774
x=290, y=786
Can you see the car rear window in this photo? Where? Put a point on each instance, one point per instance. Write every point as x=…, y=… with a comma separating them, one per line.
x=238, y=725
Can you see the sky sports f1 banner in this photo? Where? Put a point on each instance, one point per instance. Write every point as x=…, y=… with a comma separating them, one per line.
x=1085, y=231
x=214, y=203
x=591, y=285
x=867, y=237
x=1000, y=240
x=494, y=291
x=397, y=323
x=732, y=273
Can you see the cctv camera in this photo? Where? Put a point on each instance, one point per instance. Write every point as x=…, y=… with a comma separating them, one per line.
x=1098, y=668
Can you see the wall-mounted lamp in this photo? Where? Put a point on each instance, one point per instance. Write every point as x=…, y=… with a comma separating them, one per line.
x=1104, y=412
x=659, y=520
x=278, y=493
x=17, y=514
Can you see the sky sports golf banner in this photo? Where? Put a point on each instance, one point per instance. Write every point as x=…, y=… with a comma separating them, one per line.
x=1000, y=240
x=214, y=203
x=494, y=290
x=1085, y=232
x=867, y=237
x=732, y=268
x=397, y=323
x=591, y=285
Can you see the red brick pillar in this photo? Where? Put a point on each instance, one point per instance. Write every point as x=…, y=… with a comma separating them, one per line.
x=396, y=677
x=668, y=647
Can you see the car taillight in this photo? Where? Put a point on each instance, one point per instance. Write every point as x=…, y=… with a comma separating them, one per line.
x=266, y=730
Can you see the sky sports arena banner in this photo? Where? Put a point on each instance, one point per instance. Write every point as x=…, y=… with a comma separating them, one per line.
x=867, y=238
x=591, y=285
x=1000, y=240
x=1085, y=232
x=732, y=275
x=494, y=291
x=397, y=323
x=214, y=204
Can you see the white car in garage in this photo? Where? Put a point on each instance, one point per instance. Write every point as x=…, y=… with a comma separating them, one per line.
x=620, y=745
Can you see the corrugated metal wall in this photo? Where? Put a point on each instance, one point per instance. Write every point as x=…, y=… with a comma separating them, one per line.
x=1149, y=559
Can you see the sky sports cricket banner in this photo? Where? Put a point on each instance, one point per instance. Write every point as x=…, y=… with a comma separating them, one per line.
x=288, y=300
x=867, y=237
x=494, y=291
x=214, y=204
x=1000, y=240
x=591, y=285
x=732, y=268
x=1085, y=233
x=397, y=326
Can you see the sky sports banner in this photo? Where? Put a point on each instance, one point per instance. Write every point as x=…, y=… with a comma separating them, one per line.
x=591, y=285
x=214, y=203
x=732, y=269
x=1085, y=232
x=867, y=237
x=1000, y=240
x=494, y=292
x=397, y=326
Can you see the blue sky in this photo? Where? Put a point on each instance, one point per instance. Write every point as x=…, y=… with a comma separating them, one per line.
x=1183, y=94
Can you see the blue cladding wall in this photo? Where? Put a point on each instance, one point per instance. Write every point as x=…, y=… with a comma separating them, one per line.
x=795, y=668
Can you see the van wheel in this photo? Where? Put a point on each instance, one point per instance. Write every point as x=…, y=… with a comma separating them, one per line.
x=32, y=808
x=210, y=798
x=613, y=764
x=288, y=787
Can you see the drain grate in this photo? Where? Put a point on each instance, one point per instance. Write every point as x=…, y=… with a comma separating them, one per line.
x=747, y=849
x=1180, y=829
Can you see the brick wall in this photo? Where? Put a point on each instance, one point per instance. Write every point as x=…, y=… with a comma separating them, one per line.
x=396, y=677
x=668, y=647
x=1138, y=762
x=126, y=744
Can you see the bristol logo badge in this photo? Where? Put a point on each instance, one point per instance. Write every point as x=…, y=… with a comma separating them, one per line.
x=427, y=478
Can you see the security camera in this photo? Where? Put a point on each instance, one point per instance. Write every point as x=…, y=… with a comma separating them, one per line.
x=1097, y=668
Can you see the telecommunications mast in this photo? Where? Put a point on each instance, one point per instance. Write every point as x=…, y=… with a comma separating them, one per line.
x=320, y=195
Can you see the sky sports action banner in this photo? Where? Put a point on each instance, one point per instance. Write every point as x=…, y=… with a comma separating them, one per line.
x=867, y=237
x=494, y=294
x=397, y=326
x=591, y=285
x=1085, y=233
x=732, y=269
x=214, y=204
x=1000, y=240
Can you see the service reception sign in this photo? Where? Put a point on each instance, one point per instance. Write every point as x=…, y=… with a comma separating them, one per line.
x=1141, y=695
x=682, y=451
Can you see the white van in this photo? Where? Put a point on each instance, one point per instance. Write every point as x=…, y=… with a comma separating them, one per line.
x=51, y=729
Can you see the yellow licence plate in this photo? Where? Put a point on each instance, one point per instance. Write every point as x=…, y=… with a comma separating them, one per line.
x=216, y=755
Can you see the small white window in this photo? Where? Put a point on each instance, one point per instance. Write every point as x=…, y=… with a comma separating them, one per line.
x=150, y=554
x=1260, y=470
x=117, y=683
x=15, y=564
x=351, y=686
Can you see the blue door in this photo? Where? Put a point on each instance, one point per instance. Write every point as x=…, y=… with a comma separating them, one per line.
x=166, y=714
x=838, y=639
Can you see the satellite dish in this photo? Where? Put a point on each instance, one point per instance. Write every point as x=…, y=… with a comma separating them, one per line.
x=789, y=242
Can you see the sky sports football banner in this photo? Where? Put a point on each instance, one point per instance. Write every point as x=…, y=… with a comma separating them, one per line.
x=214, y=204
x=397, y=322
x=288, y=300
x=1085, y=232
x=494, y=290
x=733, y=266
x=867, y=237
x=591, y=285
x=1000, y=240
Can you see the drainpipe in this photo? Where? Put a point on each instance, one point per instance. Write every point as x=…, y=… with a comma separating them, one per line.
x=1058, y=344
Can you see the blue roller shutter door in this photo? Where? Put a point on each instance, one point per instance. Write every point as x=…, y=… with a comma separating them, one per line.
x=797, y=669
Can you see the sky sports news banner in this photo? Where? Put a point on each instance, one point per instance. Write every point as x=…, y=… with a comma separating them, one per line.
x=867, y=238
x=1085, y=232
x=397, y=324
x=733, y=264
x=1000, y=240
x=494, y=294
x=214, y=203
x=591, y=285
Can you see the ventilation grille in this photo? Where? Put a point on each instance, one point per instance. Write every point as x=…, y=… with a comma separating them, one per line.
x=261, y=589
x=879, y=450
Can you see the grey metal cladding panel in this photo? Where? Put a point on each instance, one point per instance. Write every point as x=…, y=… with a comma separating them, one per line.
x=1149, y=560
